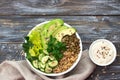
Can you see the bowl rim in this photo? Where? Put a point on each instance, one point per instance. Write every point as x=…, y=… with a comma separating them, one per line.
x=61, y=73
x=113, y=47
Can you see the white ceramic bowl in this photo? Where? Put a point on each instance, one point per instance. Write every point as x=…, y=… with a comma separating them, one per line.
x=98, y=57
x=56, y=74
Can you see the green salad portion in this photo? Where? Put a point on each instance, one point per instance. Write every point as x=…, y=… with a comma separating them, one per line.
x=43, y=45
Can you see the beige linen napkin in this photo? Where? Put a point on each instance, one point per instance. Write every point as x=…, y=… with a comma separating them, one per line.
x=19, y=70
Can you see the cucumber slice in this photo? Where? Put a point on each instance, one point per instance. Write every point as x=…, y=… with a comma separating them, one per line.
x=53, y=63
x=35, y=63
x=51, y=57
x=42, y=69
x=41, y=65
x=48, y=69
x=45, y=51
x=45, y=59
x=41, y=56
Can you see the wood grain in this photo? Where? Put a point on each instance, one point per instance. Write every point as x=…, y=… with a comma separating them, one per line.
x=12, y=51
x=90, y=28
x=93, y=19
x=60, y=7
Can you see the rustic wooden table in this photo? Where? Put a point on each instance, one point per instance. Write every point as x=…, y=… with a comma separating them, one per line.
x=93, y=19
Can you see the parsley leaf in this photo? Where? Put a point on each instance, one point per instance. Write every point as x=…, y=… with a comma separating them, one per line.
x=26, y=45
x=56, y=48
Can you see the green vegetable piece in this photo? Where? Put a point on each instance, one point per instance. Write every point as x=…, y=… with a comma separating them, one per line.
x=26, y=46
x=32, y=53
x=60, y=28
x=62, y=33
x=43, y=41
x=44, y=37
x=59, y=22
x=35, y=63
x=52, y=25
x=41, y=65
x=48, y=69
x=41, y=56
x=42, y=69
x=53, y=63
x=35, y=37
x=55, y=47
x=51, y=57
x=39, y=27
x=45, y=51
x=56, y=24
x=45, y=59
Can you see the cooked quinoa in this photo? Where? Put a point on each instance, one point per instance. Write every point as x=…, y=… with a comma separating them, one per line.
x=70, y=55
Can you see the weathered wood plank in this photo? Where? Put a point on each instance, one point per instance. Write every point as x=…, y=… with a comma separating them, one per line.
x=90, y=28
x=106, y=73
x=11, y=52
x=112, y=72
x=84, y=15
x=59, y=7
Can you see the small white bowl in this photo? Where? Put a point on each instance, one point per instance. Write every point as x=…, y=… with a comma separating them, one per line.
x=98, y=56
x=56, y=74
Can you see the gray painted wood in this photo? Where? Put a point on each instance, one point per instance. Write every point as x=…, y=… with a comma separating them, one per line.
x=13, y=51
x=90, y=28
x=93, y=19
x=59, y=7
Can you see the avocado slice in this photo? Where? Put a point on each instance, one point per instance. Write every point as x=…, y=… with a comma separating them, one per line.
x=44, y=37
x=62, y=33
x=60, y=28
x=48, y=29
x=44, y=34
x=51, y=26
x=59, y=22
x=51, y=29
x=43, y=41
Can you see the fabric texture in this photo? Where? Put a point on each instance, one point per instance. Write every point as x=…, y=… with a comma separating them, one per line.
x=19, y=70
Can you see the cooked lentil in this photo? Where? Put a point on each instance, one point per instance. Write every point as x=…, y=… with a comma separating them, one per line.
x=70, y=55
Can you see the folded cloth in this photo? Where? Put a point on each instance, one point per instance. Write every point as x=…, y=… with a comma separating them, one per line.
x=19, y=70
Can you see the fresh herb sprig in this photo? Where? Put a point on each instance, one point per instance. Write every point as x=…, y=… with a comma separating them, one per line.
x=26, y=46
x=56, y=48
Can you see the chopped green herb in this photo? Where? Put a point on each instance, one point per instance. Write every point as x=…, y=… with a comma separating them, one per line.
x=55, y=48
x=26, y=46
